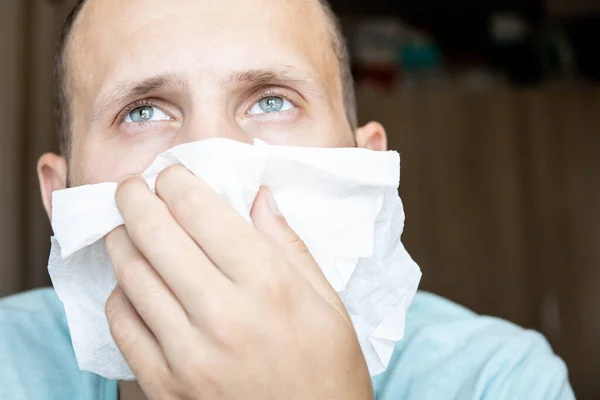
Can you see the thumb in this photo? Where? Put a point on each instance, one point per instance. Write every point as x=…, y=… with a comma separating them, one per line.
x=269, y=221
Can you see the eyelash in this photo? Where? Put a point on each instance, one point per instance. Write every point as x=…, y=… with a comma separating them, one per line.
x=156, y=103
x=269, y=93
x=137, y=104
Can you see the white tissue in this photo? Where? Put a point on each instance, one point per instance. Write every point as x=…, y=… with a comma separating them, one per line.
x=342, y=202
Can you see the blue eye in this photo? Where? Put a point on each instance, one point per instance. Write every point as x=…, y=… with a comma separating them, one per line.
x=271, y=104
x=146, y=114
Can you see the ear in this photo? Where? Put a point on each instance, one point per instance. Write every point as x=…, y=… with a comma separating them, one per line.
x=52, y=174
x=372, y=136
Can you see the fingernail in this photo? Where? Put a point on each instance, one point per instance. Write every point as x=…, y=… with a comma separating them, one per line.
x=272, y=202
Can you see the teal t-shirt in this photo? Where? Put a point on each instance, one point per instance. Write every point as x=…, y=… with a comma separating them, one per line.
x=448, y=353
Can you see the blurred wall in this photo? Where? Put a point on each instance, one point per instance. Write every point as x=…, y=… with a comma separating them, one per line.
x=11, y=188
x=571, y=7
x=502, y=196
x=29, y=30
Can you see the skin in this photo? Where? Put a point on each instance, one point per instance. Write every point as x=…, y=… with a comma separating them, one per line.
x=184, y=311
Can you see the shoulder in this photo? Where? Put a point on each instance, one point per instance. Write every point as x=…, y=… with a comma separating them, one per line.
x=24, y=308
x=451, y=352
x=36, y=355
x=31, y=323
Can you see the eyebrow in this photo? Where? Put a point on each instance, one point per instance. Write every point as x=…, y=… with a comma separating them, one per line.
x=263, y=77
x=126, y=92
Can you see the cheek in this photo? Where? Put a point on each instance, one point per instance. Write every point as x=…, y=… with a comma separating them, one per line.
x=324, y=130
x=115, y=159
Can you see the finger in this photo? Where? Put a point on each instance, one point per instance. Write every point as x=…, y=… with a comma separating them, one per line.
x=139, y=347
x=268, y=221
x=232, y=244
x=151, y=298
x=174, y=255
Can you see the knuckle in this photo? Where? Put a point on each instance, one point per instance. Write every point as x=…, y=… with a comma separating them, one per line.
x=299, y=245
x=188, y=202
x=128, y=274
x=112, y=239
x=224, y=328
x=266, y=259
x=111, y=309
x=165, y=385
x=194, y=371
x=161, y=383
x=127, y=188
x=119, y=331
x=148, y=228
x=233, y=333
x=191, y=368
x=209, y=382
x=275, y=292
x=163, y=178
x=122, y=336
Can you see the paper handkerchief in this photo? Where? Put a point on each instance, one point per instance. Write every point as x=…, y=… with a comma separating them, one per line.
x=343, y=203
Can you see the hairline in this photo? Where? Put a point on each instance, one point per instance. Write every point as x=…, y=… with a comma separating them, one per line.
x=61, y=72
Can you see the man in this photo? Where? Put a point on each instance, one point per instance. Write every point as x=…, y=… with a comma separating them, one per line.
x=137, y=77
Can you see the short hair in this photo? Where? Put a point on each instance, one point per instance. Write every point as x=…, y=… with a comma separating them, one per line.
x=61, y=73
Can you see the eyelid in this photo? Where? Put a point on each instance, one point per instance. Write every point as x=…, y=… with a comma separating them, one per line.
x=269, y=92
x=152, y=102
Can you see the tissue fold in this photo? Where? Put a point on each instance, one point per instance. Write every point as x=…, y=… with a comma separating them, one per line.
x=343, y=203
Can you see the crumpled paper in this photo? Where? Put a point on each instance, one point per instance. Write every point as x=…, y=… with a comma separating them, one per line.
x=343, y=203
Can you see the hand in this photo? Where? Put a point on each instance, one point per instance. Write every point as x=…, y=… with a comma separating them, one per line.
x=210, y=307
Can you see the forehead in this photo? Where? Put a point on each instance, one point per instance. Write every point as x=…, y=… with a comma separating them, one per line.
x=115, y=40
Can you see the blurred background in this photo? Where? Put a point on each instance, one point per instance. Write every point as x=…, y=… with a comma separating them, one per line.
x=495, y=109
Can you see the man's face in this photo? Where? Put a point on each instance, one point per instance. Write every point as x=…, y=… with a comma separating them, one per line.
x=146, y=75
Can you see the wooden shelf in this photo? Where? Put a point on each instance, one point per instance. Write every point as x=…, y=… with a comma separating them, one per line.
x=396, y=7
